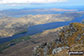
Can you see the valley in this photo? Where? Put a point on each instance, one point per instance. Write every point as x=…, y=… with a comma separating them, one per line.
x=54, y=38
x=10, y=26
x=23, y=35
x=41, y=27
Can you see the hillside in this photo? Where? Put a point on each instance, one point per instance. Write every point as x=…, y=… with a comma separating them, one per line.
x=70, y=38
x=10, y=26
x=26, y=47
x=54, y=42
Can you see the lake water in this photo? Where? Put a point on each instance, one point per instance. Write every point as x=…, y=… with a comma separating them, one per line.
x=40, y=28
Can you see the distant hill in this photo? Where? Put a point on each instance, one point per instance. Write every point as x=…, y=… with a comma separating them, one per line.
x=10, y=26
x=23, y=12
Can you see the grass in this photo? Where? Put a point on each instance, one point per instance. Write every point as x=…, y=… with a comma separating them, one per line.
x=13, y=42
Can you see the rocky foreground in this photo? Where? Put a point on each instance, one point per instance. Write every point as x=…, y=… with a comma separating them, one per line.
x=10, y=26
x=70, y=38
x=56, y=42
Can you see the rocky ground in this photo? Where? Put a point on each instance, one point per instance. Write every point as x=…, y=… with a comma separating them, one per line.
x=70, y=38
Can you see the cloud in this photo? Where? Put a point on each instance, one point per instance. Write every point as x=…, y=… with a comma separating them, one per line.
x=13, y=1
x=46, y=1
x=30, y=1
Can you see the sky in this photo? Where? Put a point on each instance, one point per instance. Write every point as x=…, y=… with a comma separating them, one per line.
x=5, y=4
x=30, y=1
x=41, y=1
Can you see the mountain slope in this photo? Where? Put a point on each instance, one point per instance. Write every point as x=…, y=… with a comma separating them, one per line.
x=55, y=42
x=70, y=38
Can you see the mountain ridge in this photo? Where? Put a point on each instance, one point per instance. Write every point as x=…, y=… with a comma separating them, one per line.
x=68, y=37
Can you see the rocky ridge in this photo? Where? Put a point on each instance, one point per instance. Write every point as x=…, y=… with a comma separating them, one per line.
x=69, y=38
